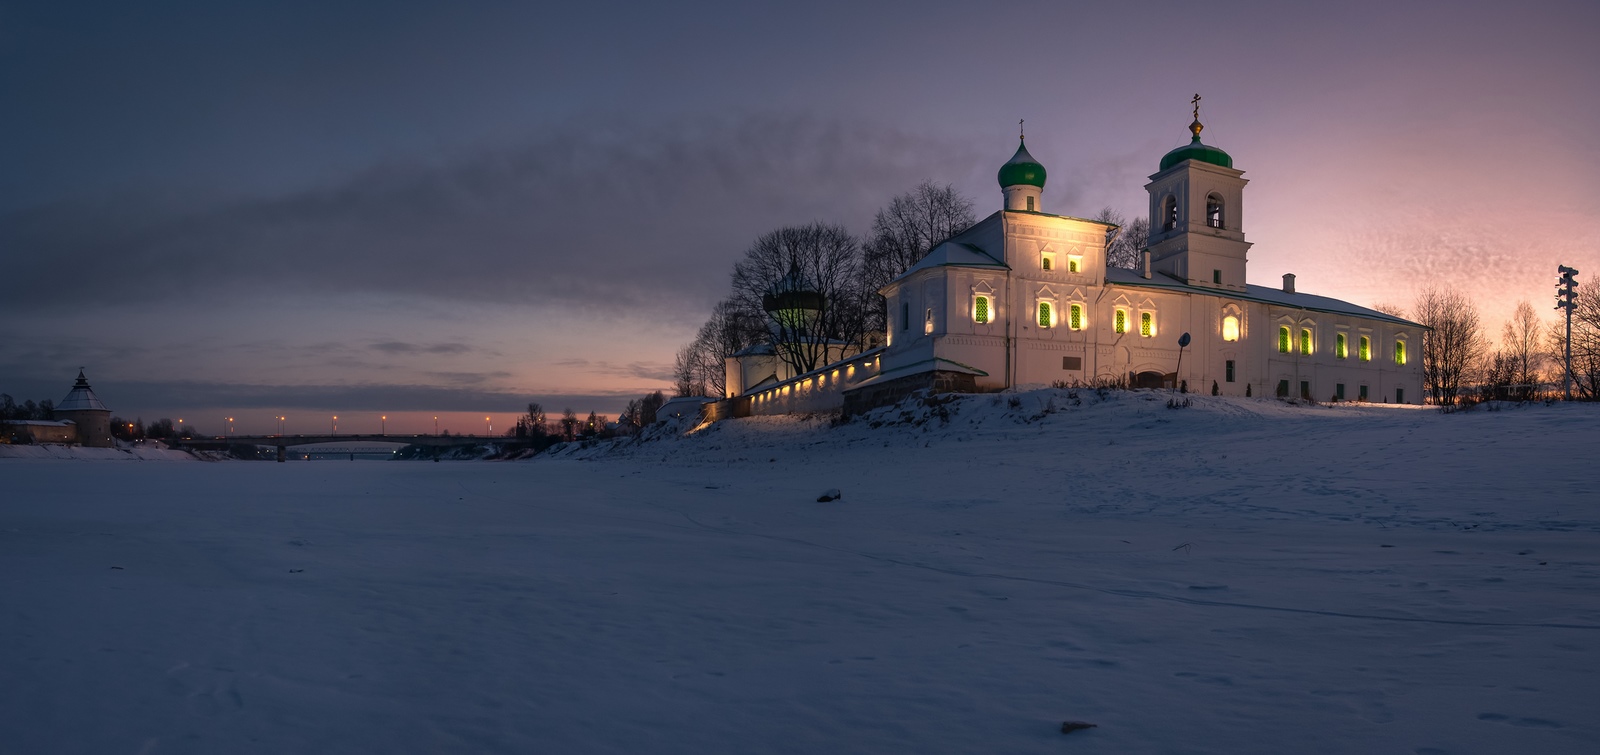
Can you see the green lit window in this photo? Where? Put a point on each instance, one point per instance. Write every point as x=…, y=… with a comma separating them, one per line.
x=1122, y=321
x=1075, y=316
x=1074, y=265
x=1046, y=263
x=1147, y=324
x=980, y=310
x=1283, y=340
x=1044, y=314
x=1305, y=341
x=1366, y=349
x=1399, y=352
x=1339, y=347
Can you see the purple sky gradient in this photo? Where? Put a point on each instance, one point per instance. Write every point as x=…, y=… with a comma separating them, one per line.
x=390, y=207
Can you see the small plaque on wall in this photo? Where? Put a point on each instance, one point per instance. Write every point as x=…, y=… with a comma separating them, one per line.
x=1072, y=363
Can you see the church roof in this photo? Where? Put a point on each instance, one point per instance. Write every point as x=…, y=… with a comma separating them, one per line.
x=1194, y=150
x=954, y=254
x=1022, y=169
x=81, y=397
x=1263, y=294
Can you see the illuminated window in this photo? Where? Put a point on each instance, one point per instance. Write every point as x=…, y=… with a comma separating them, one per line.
x=1214, y=211
x=1074, y=263
x=1230, y=329
x=1047, y=261
x=1046, y=315
x=1121, y=324
x=980, y=309
x=1075, y=316
x=1147, y=324
x=1366, y=349
x=1340, y=349
x=1283, y=340
x=1305, y=341
x=1169, y=213
x=1400, y=354
x=927, y=322
x=1230, y=371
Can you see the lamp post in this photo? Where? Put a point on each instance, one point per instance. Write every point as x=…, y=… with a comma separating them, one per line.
x=335, y=424
x=436, y=425
x=383, y=426
x=281, y=419
x=230, y=427
x=489, y=424
x=1566, y=299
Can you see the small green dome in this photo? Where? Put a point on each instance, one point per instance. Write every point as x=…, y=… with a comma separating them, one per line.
x=1022, y=169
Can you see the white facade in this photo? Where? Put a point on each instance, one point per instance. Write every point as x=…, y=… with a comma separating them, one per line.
x=1025, y=298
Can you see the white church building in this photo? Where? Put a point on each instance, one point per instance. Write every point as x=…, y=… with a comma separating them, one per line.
x=1025, y=298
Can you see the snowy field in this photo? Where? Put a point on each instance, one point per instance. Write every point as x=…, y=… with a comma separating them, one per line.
x=1236, y=577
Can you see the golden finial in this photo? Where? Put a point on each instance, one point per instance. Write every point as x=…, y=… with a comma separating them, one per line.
x=1196, y=127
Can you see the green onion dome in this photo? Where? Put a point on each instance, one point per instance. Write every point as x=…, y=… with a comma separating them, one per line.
x=1194, y=150
x=1022, y=169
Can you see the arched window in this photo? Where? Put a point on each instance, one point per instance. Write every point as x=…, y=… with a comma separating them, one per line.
x=980, y=309
x=1283, y=339
x=1214, y=211
x=1075, y=316
x=1366, y=349
x=1147, y=324
x=1399, y=353
x=1120, y=323
x=1047, y=315
x=1230, y=329
x=1169, y=213
x=1340, y=349
x=927, y=322
x=1305, y=341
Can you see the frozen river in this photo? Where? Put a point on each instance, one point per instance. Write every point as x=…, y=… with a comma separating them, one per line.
x=1237, y=577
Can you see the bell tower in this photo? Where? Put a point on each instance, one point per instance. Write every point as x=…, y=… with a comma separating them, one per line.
x=1196, y=215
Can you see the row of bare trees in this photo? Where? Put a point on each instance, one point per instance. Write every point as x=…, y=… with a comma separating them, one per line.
x=1459, y=362
x=846, y=315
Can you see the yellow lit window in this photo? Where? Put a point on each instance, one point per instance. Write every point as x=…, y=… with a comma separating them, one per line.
x=1046, y=315
x=1305, y=341
x=1147, y=324
x=1230, y=328
x=980, y=309
x=1121, y=325
x=1074, y=263
x=1399, y=352
x=1283, y=340
x=927, y=321
x=1366, y=349
x=1340, y=349
x=1075, y=316
x=1047, y=261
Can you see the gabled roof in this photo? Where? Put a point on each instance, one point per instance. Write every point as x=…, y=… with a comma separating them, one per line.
x=1263, y=294
x=954, y=254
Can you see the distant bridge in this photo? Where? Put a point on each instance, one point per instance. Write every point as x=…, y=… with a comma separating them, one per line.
x=345, y=444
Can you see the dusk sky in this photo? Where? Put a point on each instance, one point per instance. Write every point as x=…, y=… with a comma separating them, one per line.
x=356, y=208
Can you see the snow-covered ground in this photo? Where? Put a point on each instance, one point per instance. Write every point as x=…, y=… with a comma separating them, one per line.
x=1235, y=577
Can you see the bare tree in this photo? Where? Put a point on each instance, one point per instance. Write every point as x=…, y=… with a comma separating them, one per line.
x=904, y=232
x=648, y=406
x=816, y=263
x=1390, y=308
x=726, y=333
x=1125, y=243
x=537, y=426
x=569, y=425
x=1454, y=345
x=686, y=373
x=1521, y=347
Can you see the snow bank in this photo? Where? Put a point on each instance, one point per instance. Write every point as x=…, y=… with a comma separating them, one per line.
x=79, y=453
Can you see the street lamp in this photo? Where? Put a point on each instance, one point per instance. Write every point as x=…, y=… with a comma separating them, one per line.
x=1566, y=299
x=335, y=423
x=383, y=426
x=230, y=426
x=280, y=425
x=436, y=425
x=490, y=424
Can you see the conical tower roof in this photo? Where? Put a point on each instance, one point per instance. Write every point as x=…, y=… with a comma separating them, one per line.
x=81, y=398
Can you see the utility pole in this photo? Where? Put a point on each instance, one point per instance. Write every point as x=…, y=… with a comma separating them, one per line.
x=1566, y=296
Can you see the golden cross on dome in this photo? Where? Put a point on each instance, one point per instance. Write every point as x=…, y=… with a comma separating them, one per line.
x=1196, y=102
